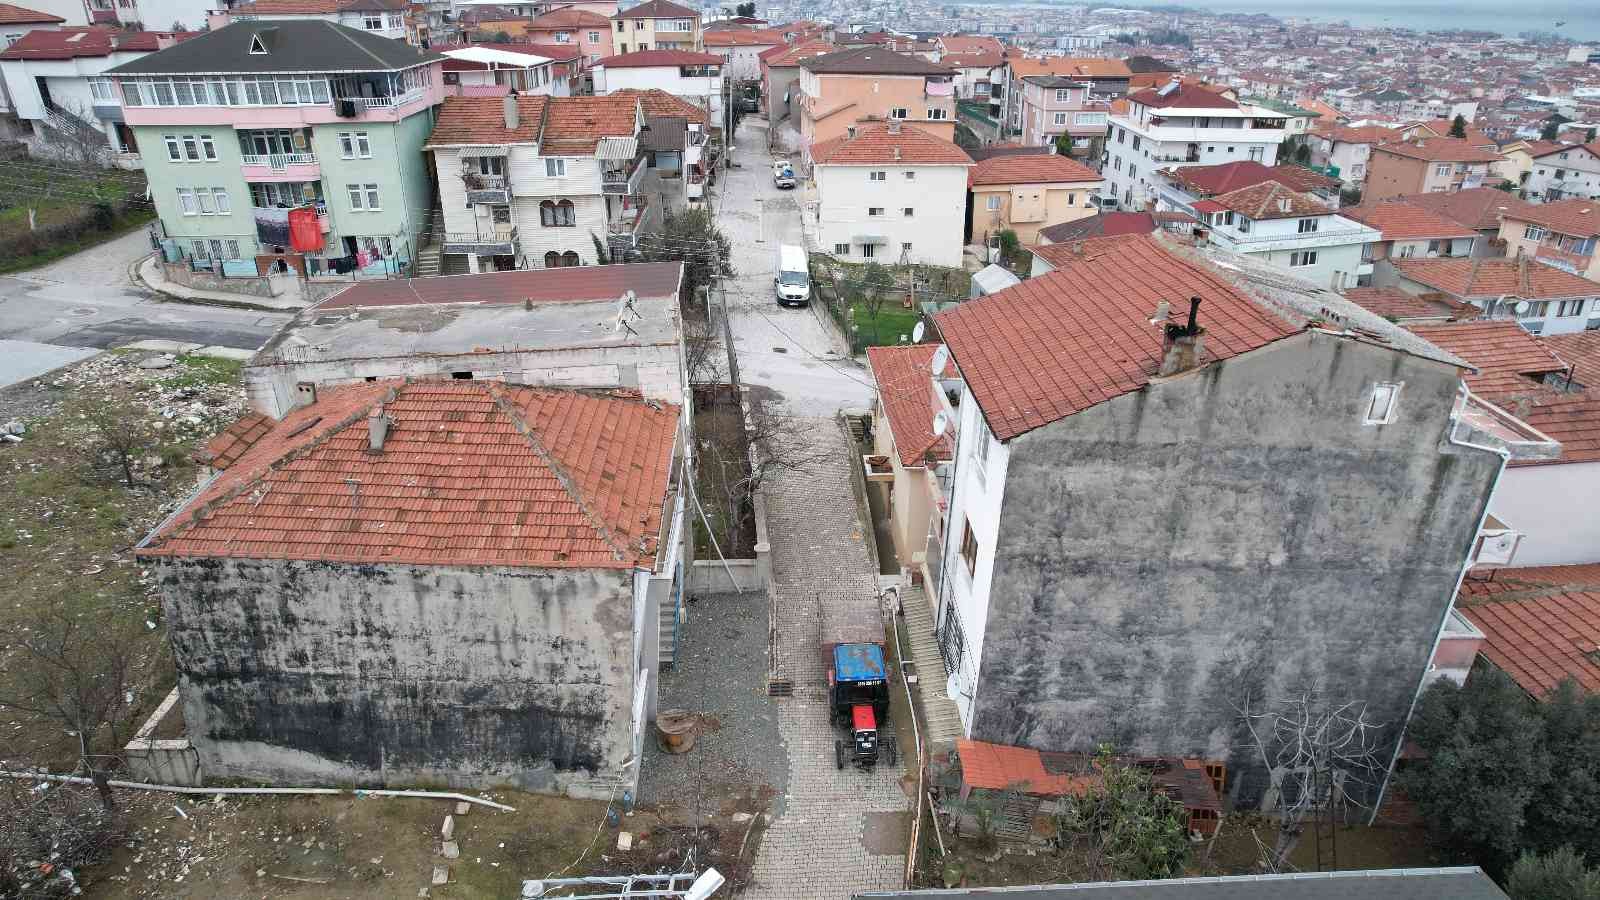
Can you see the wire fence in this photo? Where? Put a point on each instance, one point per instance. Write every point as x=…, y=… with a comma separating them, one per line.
x=880, y=304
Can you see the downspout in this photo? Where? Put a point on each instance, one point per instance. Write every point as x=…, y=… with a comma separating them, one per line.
x=1505, y=457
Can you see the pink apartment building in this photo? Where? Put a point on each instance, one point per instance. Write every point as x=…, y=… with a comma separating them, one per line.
x=839, y=89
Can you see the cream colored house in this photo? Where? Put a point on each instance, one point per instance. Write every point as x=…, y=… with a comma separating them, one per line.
x=839, y=89
x=907, y=456
x=656, y=25
x=1027, y=192
x=1561, y=234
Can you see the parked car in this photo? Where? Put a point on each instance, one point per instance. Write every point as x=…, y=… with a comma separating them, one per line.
x=782, y=173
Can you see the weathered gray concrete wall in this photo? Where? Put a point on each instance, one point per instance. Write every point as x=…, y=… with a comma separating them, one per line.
x=326, y=673
x=1236, y=532
x=255, y=286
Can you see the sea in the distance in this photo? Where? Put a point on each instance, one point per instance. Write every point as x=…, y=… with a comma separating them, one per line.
x=1582, y=17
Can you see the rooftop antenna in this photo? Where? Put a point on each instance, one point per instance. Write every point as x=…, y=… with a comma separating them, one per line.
x=917, y=332
x=941, y=358
x=625, y=308
x=941, y=422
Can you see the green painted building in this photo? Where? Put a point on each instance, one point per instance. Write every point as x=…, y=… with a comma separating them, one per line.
x=259, y=124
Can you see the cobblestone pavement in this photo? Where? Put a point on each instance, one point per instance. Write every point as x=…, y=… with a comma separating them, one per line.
x=840, y=832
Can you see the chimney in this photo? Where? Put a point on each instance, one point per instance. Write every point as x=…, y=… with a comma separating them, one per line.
x=305, y=394
x=509, y=104
x=896, y=154
x=378, y=423
x=894, y=126
x=1182, y=344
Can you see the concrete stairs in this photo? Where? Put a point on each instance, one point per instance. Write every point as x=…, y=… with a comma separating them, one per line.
x=430, y=257
x=429, y=261
x=669, y=643
x=941, y=721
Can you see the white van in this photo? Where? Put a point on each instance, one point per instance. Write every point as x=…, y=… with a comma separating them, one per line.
x=792, y=281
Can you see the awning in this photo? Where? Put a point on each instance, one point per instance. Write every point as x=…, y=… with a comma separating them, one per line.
x=617, y=148
x=484, y=150
x=868, y=239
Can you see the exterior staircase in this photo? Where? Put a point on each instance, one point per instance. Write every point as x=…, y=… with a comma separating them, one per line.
x=430, y=257
x=941, y=721
x=429, y=261
x=669, y=635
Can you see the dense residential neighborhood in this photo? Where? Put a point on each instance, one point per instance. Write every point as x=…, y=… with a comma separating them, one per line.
x=561, y=448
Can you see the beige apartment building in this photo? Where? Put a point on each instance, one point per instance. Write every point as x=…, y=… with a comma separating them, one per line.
x=1027, y=192
x=1561, y=234
x=1426, y=165
x=837, y=90
x=656, y=25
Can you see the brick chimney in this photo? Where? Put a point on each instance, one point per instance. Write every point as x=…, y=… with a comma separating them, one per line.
x=509, y=105
x=378, y=423
x=1182, y=345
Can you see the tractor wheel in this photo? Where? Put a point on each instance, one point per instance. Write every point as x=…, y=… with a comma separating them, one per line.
x=838, y=754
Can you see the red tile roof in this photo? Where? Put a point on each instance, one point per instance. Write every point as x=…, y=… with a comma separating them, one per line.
x=792, y=55
x=1582, y=350
x=1572, y=419
x=1069, y=67
x=225, y=449
x=16, y=15
x=1271, y=200
x=89, y=41
x=576, y=284
x=737, y=38
x=1485, y=277
x=1543, y=640
x=482, y=120
x=1081, y=335
x=656, y=102
x=1031, y=168
x=1531, y=580
x=658, y=9
x=1393, y=303
x=906, y=390
x=576, y=124
x=1405, y=222
x=970, y=43
x=1438, y=150
x=875, y=144
x=1189, y=95
x=569, y=18
x=1576, y=218
x=1106, y=224
x=471, y=473
x=1361, y=134
x=1225, y=177
x=1476, y=208
x=649, y=59
x=998, y=767
x=1509, y=360
x=1593, y=148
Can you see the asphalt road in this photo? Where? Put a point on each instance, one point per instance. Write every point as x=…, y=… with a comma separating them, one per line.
x=88, y=301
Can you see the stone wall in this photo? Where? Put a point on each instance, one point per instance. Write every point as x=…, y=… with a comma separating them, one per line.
x=180, y=273
x=322, y=673
x=1225, y=539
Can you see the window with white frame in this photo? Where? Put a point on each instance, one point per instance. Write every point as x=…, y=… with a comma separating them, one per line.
x=1533, y=233
x=555, y=168
x=874, y=211
x=563, y=37
x=868, y=251
x=877, y=176
x=354, y=145
x=594, y=37
x=102, y=90
x=372, y=197
x=13, y=37
x=1382, y=403
x=935, y=113
x=993, y=202
x=841, y=249
x=1569, y=308
x=905, y=247
x=899, y=112
x=1061, y=118
x=397, y=20
x=1442, y=169
x=372, y=21
x=1308, y=226
x=1089, y=118
x=363, y=197
x=187, y=203
x=244, y=90
x=174, y=150
x=1300, y=258
x=1063, y=95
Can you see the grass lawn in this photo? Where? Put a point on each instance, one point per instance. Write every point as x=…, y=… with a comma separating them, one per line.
x=891, y=321
x=61, y=202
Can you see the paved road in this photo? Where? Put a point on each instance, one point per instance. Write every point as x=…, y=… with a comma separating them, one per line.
x=88, y=301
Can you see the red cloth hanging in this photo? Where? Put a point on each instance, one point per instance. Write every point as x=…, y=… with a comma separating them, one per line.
x=304, y=233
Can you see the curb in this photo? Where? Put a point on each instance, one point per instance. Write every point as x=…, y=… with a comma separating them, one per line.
x=170, y=297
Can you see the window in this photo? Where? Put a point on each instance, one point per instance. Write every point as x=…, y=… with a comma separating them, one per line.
x=13, y=37
x=594, y=37
x=1308, y=226
x=491, y=165
x=101, y=90
x=372, y=22
x=874, y=211
x=1117, y=164
x=877, y=176
x=868, y=251
x=191, y=148
x=841, y=249
x=1381, y=404
x=1537, y=309
x=1244, y=225
x=905, y=247
x=969, y=548
x=173, y=152
x=1441, y=170
x=208, y=148
x=356, y=200
x=1089, y=118
x=207, y=207
x=397, y=20
x=372, y=197
x=899, y=112
x=909, y=212
x=1569, y=308
x=557, y=214
x=555, y=168
x=1301, y=258
x=354, y=145
x=911, y=176
x=1136, y=142
x=224, y=205
x=1072, y=199
x=935, y=114
x=1063, y=95
x=1533, y=233
x=1061, y=118
x=563, y=37
x=1121, y=134
x=186, y=202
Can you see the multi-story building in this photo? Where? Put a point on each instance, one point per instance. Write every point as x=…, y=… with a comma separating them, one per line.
x=780, y=76
x=840, y=89
x=589, y=32
x=384, y=18
x=60, y=96
x=1563, y=171
x=136, y=15
x=891, y=192
x=1561, y=234
x=1107, y=79
x=656, y=25
x=675, y=148
x=531, y=182
x=1344, y=150
x=1088, y=590
x=978, y=62
x=1408, y=232
x=1480, y=209
x=16, y=22
x=1426, y=165
x=1288, y=230
x=1053, y=105
x=1178, y=189
x=257, y=124
x=484, y=70
x=741, y=50
x=1183, y=124
x=1544, y=299
x=696, y=77
x=1025, y=192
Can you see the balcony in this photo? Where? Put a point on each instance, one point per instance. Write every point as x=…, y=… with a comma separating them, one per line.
x=622, y=179
x=1565, y=260
x=491, y=189
x=280, y=167
x=625, y=222
x=501, y=240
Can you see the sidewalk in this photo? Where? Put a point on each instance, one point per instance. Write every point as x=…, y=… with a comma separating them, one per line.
x=149, y=274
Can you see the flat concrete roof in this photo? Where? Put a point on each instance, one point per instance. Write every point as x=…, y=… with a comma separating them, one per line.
x=539, y=285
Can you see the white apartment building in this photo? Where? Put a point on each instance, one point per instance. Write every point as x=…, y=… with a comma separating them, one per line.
x=533, y=181
x=1183, y=124
x=385, y=18
x=1288, y=230
x=694, y=76
x=887, y=192
x=1564, y=173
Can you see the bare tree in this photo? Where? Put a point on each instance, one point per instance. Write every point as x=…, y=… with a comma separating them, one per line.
x=76, y=671
x=120, y=429
x=772, y=444
x=48, y=833
x=1319, y=757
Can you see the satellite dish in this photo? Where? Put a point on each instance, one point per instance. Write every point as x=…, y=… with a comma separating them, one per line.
x=941, y=422
x=941, y=358
x=1521, y=306
x=918, y=332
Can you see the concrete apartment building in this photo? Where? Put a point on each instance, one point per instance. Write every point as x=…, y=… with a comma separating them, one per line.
x=1480, y=209
x=780, y=77
x=385, y=18
x=1182, y=124
x=978, y=61
x=1560, y=234
x=1544, y=299
x=1346, y=150
x=1288, y=230
x=465, y=576
x=1426, y=165
x=839, y=89
x=1564, y=172
x=1026, y=192
x=247, y=128
x=1053, y=105
x=741, y=50
x=656, y=25
x=528, y=181
x=1086, y=490
x=590, y=32
x=490, y=71
x=15, y=21
x=1107, y=79
x=58, y=93
x=1408, y=232
x=889, y=192
x=917, y=459
x=696, y=77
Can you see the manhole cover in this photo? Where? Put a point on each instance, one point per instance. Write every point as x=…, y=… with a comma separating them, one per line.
x=81, y=311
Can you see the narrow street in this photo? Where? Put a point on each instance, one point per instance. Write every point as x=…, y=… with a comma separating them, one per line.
x=834, y=833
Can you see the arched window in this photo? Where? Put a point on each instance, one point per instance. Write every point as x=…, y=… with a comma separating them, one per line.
x=565, y=214
x=552, y=260
x=547, y=213
x=570, y=258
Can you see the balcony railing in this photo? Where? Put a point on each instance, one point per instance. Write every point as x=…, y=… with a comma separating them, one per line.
x=1565, y=260
x=382, y=102
x=498, y=241
x=622, y=180
x=486, y=189
x=278, y=162
x=627, y=220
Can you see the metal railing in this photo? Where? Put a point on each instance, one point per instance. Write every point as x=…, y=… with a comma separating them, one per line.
x=478, y=182
x=278, y=162
x=502, y=234
x=382, y=102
